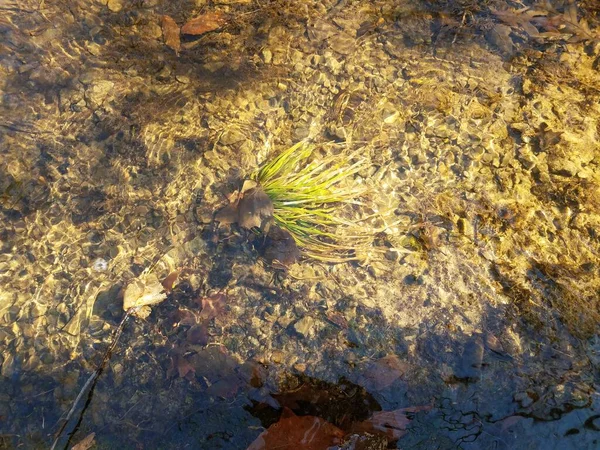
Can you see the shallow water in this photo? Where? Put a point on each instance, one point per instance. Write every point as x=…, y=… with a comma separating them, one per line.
x=472, y=323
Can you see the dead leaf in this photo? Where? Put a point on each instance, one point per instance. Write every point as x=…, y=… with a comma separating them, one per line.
x=197, y=335
x=170, y=280
x=556, y=25
x=392, y=424
x=509, y=422
x=204, y=23
x=382, y=373
x=228, y=214
x=280, y=247
x=181, y=316
x=212, y=306
x=86, y=443
x=255, y=209
x=181, y=366
x=170, y=32
x=226, y=387
x=146, y=291
x=298, y=432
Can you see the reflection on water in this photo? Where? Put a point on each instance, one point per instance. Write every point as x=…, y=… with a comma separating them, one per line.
x=473, y=323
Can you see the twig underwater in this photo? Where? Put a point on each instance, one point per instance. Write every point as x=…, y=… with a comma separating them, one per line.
x=139, y=295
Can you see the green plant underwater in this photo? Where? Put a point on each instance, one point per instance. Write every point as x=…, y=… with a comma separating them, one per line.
x=309, y=197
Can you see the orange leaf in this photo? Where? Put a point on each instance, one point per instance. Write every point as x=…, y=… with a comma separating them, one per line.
x=301, y=432
x=170, y=280
x=170, y=33
x=204, y=23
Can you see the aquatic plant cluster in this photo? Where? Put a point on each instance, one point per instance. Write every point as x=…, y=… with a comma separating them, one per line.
x=309, y=196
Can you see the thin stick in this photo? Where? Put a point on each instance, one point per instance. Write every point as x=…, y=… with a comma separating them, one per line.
x=93, y=377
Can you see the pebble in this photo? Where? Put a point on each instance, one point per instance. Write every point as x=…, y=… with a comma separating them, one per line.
x=472, y=357
x=305, y=326
x=99, y=91
x=115, y=5
x=99, y=265
x=267, y=56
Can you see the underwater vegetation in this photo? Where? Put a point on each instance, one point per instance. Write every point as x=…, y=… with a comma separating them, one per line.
x=311, y=200
x=301, y=201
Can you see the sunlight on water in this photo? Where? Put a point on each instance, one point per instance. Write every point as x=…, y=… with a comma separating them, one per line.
x=462, y=140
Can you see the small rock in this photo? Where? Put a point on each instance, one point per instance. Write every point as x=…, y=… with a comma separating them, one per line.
x=277, y=356
x=305, y=326
x=232, y=137
x=117, y=371
x=563, y=167
x=523, y=399
x=47, y=358
x=99, y=265
x=267, y=56
x=8, y=366
x=99, y=91
x=472, y=357
x=115, y=5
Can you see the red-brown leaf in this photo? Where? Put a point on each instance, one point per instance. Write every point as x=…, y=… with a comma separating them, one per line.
x=170, y=280
x=181, y=367
x=197, y=335
x=204, y=23
x=382, y=373
x=304, y=432
x=170, y=33
x=212, y=306
x=391, y=424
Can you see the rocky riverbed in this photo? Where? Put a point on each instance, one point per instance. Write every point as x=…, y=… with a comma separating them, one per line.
x=475, y=319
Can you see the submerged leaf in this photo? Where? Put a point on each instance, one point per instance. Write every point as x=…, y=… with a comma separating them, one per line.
x=142, y=292
x=383, y=373
x=204, y=23
x=170, y=32
x=280, y=247
x=294, y=432
x=86, y=443
x=255, y=209
x=212, y=306
x=181, y=367
x=391, y=424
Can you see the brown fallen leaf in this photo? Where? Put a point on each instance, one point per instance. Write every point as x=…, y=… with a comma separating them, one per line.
x=197, y=334
x=86, y=443
x=204, y=23
x=170, y=280
x=382, y=373
x=392, y=424
x=212, y=306
x=181, y=366
x=182, y=316
x=255, y=209
x=298, y=432
x=170, y=32
x=280, y=248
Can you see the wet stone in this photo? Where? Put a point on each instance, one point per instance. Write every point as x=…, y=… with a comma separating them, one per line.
x=47, y=358
x=469, y=366
x=305, y=326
